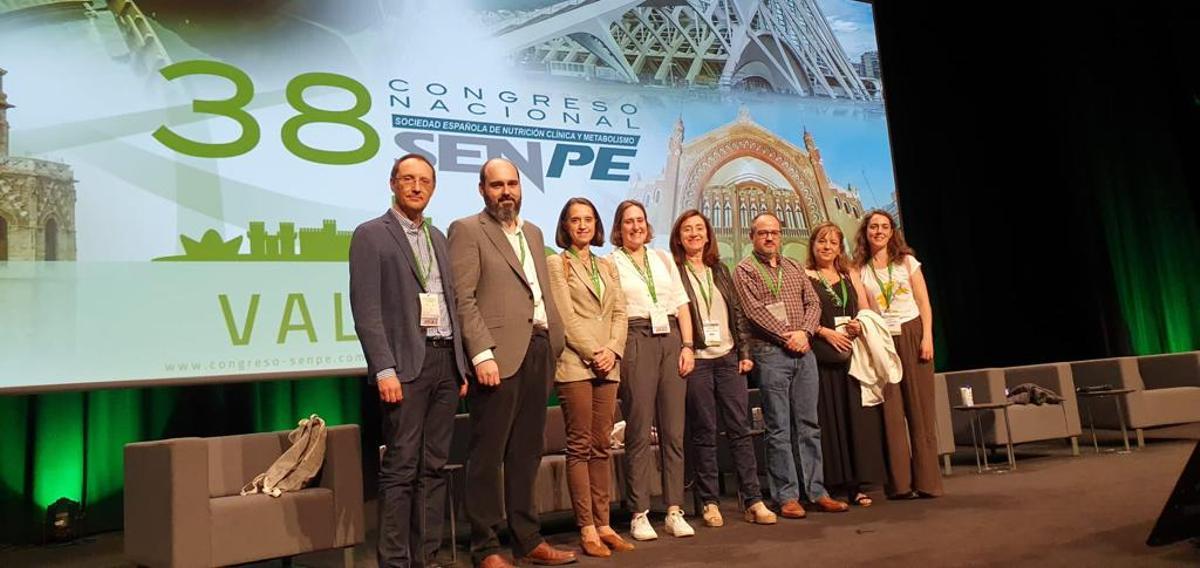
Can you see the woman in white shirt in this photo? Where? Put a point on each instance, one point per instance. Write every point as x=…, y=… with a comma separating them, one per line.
x=658, y=354
x=895, y=287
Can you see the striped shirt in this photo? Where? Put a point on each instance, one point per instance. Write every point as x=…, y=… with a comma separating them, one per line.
x=799, y=298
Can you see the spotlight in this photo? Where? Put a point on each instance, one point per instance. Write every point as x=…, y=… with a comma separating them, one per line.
x=62, y=520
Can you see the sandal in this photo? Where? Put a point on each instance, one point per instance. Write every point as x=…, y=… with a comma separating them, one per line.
x=862, y=500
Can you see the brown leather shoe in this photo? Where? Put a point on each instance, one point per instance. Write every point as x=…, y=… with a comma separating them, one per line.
x=827, y=504
x=495, y=561
x=595, y=548
x=547, y=555
x=792, y=510
x=615, y=542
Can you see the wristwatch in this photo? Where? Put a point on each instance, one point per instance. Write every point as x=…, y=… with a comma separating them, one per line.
x=689, y=345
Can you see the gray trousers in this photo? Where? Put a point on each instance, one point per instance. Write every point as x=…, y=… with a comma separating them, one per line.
x=653, y=393
x=412, y=492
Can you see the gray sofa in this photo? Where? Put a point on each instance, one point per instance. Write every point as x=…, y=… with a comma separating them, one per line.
x=1028, y=423
x=1166, y=389
x=943, y=422
x=183, y=508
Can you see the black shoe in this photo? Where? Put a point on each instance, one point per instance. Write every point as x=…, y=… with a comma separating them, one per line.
x=905, y=496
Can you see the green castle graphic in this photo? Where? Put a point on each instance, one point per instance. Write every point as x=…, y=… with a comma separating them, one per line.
x=288, y=244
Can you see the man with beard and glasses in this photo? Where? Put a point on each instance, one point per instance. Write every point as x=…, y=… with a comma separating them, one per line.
x=513, y=336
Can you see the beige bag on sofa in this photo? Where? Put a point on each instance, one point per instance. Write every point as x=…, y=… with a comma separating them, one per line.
x=298, y=465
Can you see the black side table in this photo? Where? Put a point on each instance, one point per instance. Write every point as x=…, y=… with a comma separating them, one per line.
x=977, y=442
x=1087, y=396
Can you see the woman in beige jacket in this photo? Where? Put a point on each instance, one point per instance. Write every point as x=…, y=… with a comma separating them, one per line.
x=588, y=293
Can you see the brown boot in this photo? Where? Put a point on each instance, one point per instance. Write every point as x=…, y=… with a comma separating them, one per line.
x=547, y=555
x=792, y=510
x=615, y=542
x=827, y=504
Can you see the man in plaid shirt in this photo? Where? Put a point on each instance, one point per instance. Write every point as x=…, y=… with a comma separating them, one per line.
x=784, y=310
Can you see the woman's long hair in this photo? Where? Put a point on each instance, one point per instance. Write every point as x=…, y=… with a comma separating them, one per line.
x=897, y=248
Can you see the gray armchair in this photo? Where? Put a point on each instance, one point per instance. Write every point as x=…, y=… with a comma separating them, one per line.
x=943, y=422
x=1029, y=423
x=183, y=508
x=1166, y=389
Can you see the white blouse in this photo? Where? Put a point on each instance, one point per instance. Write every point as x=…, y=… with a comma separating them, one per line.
x=903, y=307
x=668, y=286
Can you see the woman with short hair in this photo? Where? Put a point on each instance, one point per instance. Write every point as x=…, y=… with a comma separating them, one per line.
x=588, y=294
x=658, y=354
x=716, y=389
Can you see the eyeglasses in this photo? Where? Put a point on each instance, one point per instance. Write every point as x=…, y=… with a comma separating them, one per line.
x=776, y=234
x=409, y=181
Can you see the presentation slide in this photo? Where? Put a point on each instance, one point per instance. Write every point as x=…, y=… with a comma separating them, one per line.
x=179, y=180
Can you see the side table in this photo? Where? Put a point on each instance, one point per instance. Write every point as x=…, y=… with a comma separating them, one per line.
x=977, y=442
x=1087, y=396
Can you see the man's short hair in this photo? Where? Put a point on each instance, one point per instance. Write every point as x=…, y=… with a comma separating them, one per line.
x=760, y=216
x=413, y=156
x=483, y=169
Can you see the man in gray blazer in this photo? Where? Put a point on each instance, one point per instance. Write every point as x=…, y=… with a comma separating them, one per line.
x=402, y=296
x=513, y=334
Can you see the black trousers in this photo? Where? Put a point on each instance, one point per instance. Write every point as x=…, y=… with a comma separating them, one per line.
x=412, y=491
x=716, y=396
x=507, y=424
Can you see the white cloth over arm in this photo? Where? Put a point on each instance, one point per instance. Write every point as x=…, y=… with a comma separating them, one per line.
x=874, y=361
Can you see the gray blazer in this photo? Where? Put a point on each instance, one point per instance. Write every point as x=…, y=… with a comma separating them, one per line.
x=495, y=302
x=383, y=298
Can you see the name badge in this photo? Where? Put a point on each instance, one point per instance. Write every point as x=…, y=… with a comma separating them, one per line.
x=659, y=325
x=778, y=310
x=712, y=333
x=431, y=313
x=893, y=322
x=841, y=321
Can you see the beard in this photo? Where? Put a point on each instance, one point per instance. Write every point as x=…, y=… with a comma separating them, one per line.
x=505, y=211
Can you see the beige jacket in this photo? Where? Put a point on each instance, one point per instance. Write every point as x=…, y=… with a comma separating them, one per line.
x=591, y=323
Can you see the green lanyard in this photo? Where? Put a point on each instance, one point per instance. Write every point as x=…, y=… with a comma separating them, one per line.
x=595, y=272
x=889, y=289
x=647, y=275
x=837, y=301
x=521, y=240
x=423, y=272
x=706, y=294
x=773, y=284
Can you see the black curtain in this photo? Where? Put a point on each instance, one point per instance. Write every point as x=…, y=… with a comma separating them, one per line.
x=1046, y=163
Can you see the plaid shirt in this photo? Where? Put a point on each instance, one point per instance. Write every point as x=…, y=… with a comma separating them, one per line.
x=798, y=296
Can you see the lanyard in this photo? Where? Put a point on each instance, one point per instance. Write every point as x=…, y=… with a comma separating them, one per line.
x=647, y=275
x=889, y=289
x=423, y=272
x=773, y=284
x=521, y=241
x=706, y=294
x=595, y=271
x=837, y=301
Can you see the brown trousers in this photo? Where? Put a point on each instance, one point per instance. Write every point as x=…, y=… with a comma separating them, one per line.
x=908, y=420
x=588, y=408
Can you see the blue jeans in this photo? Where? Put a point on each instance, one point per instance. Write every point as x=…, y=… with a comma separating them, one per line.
x=790, y=388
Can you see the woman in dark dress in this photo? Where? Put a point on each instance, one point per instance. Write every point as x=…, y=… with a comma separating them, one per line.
x=852, y=440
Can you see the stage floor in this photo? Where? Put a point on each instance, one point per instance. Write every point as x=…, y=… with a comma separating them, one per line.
x=1055, y=510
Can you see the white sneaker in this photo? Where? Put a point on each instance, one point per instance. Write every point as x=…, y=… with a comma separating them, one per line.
x=640, y=527
x=676, y=526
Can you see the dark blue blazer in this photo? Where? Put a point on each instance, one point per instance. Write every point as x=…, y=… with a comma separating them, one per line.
x=383, y=298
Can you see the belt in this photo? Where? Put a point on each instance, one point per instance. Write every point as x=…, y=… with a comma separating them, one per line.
x=440, y=341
